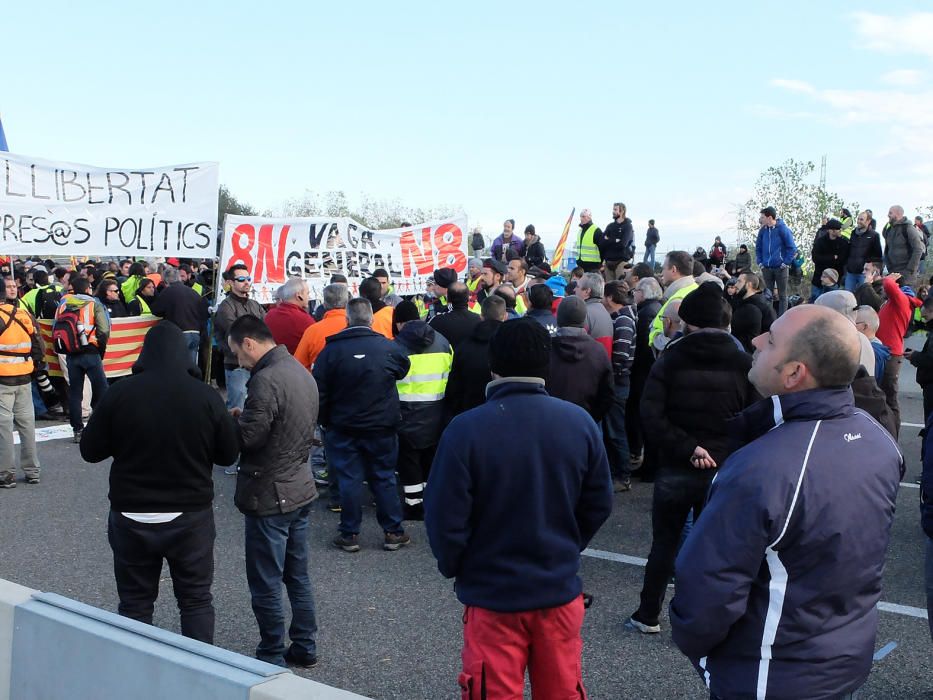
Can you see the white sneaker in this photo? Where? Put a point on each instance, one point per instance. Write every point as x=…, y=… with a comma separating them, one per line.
x=634, y=624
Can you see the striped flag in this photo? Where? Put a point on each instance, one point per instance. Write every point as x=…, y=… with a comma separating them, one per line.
x=562, y=243
x=3, y=146
x=123, y=347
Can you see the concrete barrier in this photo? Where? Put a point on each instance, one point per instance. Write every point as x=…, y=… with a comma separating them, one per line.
x=54, y=647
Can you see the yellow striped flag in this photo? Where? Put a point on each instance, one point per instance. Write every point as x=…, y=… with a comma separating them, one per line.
x=123, y=347
x=562, y=243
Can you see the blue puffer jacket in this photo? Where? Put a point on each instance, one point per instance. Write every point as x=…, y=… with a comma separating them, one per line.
x=775, y=245
x=356, y=375
x=778, y=581
x=508, y=518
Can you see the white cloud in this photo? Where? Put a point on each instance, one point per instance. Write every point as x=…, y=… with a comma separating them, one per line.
x=912, y=33
x=905, y=77
x=794, y=85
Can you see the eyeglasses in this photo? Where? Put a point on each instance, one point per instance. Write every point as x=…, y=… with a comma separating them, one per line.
x=242, y=278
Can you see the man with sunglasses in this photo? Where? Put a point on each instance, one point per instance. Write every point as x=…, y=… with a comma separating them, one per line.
x=237, y=303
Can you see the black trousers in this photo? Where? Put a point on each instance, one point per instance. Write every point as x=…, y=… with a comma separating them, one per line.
x=676, y=492
x=414, y=465
x=927, y=401
x=187, y=543
x=888, y=384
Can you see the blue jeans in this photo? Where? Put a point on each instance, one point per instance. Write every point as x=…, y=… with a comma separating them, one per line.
x=649, y=255
x=853, y=281
x=37, y=404
x=616, y=438
x=929, y=581
x=373, y=459
x=86, y=364
x=236, y=386
x=193, y=338
x=276, y=553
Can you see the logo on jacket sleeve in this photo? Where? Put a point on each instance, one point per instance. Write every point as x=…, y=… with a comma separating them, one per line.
x=849, y=437
x=360, y=357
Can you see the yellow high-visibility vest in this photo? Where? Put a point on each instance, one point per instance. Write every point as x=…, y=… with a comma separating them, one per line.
x=586, y=245
x=427, y=378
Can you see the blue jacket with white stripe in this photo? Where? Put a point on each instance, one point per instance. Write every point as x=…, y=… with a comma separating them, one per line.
x=778, y=581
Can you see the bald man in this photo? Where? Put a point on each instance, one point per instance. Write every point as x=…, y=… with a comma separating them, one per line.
x=903, y=246
x=784, y=606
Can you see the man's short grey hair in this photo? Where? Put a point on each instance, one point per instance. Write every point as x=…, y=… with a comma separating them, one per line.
x=867, y=315
x=335, y=296
x=291, y=288
x=898, y=210
x=595, y=283
x=170, y=274
x=829, y=350
x=359, y=312
x=650, y=288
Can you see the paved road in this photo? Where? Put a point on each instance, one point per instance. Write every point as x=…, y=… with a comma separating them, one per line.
x=390, y=625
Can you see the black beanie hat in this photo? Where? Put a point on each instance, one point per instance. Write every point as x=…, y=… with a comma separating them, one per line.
x=445, y=276
x=703, y=307
x=405, y=311
x=520, y=348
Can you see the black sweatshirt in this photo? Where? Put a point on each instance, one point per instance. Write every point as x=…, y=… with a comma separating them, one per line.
x=164, y=428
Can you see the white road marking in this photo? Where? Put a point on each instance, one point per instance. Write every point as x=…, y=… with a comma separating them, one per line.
x=912, y=425
x=884, y=651
x=904, y=484
x=908, y=610
x=52, y=432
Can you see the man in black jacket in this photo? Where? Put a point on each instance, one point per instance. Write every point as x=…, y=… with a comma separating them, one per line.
x=647, y=295
x=829, y=252
x=161, y=488
x=356, y=374
x=923, y=359
x=535, y=254
x=580, y=370
x=421, y=395
x=698, y=383
x=753, y=314
x=275, y=488
x=469, y=374
x=457, y=324
x=184, y=307
x=864, y=246
x=617, y=244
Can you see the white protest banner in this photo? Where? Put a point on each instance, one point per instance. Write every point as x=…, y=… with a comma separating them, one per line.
x=315, y=248
x=49, y=207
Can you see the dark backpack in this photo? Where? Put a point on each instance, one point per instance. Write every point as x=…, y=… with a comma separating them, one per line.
x=47, y=301
x=477, y=243
x=629, y=251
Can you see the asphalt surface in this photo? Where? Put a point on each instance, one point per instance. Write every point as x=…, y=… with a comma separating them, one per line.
x=390, y=626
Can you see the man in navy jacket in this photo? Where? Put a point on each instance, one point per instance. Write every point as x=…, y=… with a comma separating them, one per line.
x=508, y=520
x=778, y=581
x=356, y=375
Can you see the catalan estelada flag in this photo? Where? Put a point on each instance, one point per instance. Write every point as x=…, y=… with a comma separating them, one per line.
x=123, y=347
x=562, y=243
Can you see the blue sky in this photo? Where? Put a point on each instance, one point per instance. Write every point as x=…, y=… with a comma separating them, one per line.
x=504, y=109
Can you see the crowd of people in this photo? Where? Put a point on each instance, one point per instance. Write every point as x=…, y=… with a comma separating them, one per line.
x=696, y=374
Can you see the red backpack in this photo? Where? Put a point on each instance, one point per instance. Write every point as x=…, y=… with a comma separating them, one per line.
x=74, y=327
